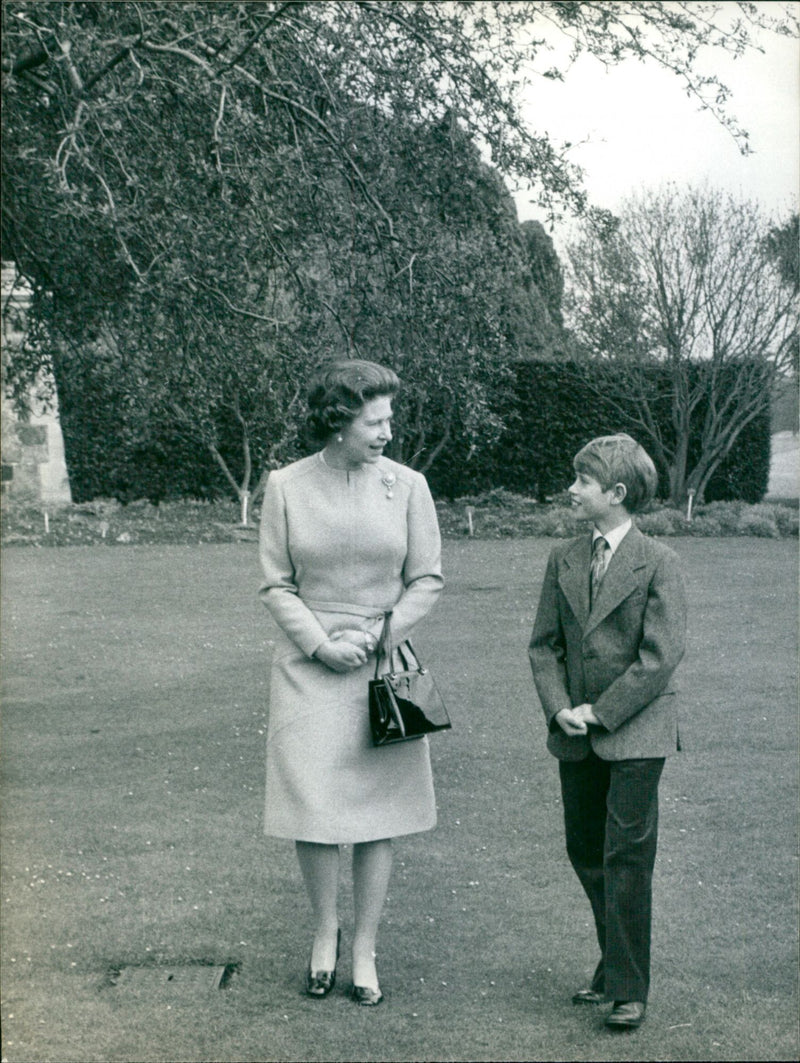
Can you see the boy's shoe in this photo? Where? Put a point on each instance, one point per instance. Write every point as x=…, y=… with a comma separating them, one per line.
x=626, y=1015
x=588, y=996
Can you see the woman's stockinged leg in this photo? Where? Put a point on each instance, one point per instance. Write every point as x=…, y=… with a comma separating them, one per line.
x=319, y=865
x=372, y=866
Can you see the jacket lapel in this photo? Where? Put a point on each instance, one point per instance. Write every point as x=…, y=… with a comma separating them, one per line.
x=621, y=577
x=574, y=578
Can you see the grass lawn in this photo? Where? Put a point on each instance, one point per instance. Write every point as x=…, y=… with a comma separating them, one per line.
x=135, y=704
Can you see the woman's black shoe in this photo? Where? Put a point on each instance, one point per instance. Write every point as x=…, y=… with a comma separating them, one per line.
x=366, y=997
x=320, y=983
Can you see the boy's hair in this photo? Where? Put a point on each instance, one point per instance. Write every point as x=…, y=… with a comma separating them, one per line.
x=619, y=459
x=340, y=389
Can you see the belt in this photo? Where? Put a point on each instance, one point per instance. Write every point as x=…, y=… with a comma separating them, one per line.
x=371, y=611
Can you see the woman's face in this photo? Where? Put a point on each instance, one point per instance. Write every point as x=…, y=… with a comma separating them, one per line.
x=368, y=433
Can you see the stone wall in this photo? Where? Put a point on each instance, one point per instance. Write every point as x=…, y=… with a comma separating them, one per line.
x=33, y=466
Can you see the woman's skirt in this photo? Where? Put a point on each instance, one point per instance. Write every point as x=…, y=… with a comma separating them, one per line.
x=326, y=782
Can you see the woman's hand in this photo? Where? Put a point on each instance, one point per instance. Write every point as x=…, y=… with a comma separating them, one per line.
x=358, y=637
x=341, y=655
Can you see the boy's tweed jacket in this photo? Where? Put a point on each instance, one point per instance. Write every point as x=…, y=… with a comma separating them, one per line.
x=619, y=656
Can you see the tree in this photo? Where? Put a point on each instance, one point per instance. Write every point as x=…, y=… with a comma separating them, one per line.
x=688, y=280
x=212, y=191
x=452, y=299
x=783, y=247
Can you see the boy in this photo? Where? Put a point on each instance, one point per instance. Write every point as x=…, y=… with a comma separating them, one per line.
x=608, y=634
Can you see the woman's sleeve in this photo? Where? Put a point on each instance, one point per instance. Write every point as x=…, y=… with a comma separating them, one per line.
x=422, y=571
x=279, y=590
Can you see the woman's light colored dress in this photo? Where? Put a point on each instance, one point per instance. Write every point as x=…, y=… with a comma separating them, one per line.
x=338, y=550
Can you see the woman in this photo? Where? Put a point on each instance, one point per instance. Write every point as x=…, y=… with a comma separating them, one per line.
x=346, y=536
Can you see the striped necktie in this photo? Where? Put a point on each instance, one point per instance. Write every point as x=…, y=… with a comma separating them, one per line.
x=598, y=566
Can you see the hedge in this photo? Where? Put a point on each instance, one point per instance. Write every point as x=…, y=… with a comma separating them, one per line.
x=554, y=413
x=114, y=449
x=117, y=451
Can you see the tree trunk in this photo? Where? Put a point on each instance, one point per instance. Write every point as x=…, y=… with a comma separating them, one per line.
x=242, y=490
x=678, y=486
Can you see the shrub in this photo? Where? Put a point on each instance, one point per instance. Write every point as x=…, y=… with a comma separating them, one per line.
x=498, y=525
x=554, y=522
x=787, y=519
x=784, y=518
x=98, y=507
x=726, y=515
x=498, y=498
x=707, y=526
x=661, y=522
x=560, y=522
x=757, y=521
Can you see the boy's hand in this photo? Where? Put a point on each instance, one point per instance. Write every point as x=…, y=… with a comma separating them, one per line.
x=586, y=714
x=571, y=722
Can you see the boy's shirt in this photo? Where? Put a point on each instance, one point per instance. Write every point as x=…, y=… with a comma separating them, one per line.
x=615, y=536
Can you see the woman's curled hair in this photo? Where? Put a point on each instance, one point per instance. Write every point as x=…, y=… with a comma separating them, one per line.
x=340, y=390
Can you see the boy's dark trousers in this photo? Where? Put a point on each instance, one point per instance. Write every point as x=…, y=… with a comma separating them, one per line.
x=611, y=820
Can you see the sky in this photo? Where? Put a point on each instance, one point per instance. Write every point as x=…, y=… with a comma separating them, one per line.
x=643, y=129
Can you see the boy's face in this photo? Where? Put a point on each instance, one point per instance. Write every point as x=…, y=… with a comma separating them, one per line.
x=592, y=502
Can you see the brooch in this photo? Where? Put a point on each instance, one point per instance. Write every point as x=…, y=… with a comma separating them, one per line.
x=389, y=480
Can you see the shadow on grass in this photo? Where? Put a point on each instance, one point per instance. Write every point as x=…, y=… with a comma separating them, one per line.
x=135, y=705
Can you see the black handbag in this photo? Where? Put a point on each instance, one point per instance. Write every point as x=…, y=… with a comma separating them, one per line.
x=404, y=703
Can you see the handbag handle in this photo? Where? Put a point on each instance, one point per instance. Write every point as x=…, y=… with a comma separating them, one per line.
x=410, y=665
x=384, y=640
x=385, y=643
